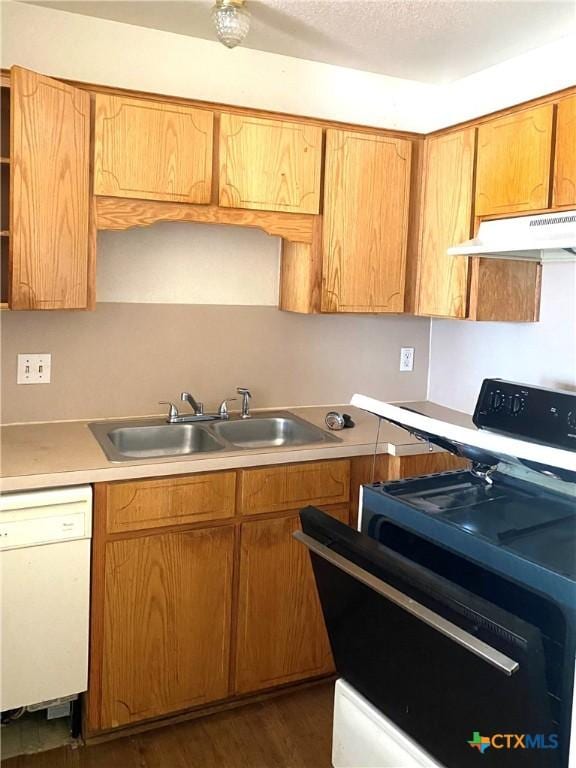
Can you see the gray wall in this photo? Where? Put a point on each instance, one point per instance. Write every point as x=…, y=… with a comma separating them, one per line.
x=544, y=353
x=122, y=358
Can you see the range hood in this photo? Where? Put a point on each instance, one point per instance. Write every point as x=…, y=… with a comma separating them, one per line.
x=542, y=237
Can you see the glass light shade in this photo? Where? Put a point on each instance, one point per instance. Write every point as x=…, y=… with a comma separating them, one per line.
x=232, y=22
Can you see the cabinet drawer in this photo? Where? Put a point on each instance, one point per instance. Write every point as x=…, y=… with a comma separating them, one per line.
x=291, y=486
x=155, y=503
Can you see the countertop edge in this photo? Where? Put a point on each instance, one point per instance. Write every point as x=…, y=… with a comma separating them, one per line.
x=196, y=465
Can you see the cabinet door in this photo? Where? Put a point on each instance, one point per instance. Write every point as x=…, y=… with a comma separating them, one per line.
x=269, y=165
x=281, y=632
x=504, y=290
x=513, y=164
x=152, y=150
x=50, y=246
x=166, y=623
x=565, y=165
x=446, y=220
x=366, y=196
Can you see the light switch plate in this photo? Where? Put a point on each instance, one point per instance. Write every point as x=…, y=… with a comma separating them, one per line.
x=407, y=358
x=34, y=369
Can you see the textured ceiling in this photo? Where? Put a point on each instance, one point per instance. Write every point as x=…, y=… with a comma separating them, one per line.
x=433, y=41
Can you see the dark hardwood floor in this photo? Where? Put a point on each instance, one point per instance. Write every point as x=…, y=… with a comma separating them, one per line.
x=291, y=731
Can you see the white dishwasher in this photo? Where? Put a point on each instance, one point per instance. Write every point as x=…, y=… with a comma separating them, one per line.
x=45, y=591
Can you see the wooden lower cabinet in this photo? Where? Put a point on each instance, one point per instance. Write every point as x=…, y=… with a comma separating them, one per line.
x=167, y=621
x=184, y=570
x=281, y=633
x=217, y=600
x=400, y=467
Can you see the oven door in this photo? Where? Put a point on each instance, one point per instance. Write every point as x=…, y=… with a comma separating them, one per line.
x=443, y=664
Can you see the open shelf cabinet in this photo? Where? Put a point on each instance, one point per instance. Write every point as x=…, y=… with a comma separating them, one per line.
x=4, y=193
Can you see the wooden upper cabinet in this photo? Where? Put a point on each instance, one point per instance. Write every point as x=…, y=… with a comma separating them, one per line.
x=565, y=163
x=269, y=165
x=442, y=280
x=166, y=623
x=51, y=249
x=366, y=197
x=505, y=290
x=513, y=163
x=152, y=150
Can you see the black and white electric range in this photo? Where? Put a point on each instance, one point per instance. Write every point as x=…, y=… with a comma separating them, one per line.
x=452, y=611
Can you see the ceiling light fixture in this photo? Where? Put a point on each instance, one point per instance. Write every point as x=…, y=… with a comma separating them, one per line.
x=232, y=21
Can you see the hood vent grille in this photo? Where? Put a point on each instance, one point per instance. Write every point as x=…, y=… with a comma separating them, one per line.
x=537, y=222
x=543, y=237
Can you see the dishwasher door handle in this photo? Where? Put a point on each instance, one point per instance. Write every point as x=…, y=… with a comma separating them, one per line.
x=479, y=648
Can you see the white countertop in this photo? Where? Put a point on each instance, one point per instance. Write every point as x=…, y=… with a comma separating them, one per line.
x=51, y=454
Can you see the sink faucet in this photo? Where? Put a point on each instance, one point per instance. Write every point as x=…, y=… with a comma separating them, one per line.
x=246, y=395
x=174, y=417
x=198, y=408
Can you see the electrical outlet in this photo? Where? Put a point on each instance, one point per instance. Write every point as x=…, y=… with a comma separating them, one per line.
x=34, y=369
x=407, y=358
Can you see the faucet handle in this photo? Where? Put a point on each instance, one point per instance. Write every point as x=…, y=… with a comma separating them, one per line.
x=197, y=407
x=173, y=412
x=223, y=407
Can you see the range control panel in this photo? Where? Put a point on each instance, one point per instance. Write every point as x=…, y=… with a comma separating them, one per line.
x=533, y=413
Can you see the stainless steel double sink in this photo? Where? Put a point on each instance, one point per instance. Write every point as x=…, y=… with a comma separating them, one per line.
x=154, y=438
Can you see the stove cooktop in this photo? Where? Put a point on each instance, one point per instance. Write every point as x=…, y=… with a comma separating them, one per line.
x=510, y=514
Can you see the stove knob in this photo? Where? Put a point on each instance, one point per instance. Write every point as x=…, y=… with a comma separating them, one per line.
x=572, y=419
x=498, y=400
x=517, y=404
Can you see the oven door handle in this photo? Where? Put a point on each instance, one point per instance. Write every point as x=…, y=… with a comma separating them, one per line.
x=452, y=631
